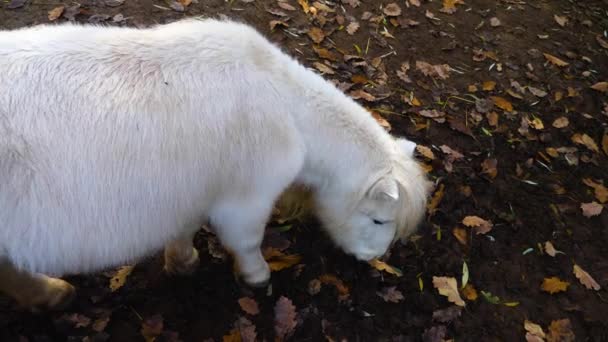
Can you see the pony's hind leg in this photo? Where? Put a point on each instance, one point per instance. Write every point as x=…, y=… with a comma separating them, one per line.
x=34, y=291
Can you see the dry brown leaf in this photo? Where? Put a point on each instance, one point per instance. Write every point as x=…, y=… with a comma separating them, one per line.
x=316, y=34
x=439, y=70
x=591, y=209
x=382, y=121
x=560, y=331
x=326, y=54
x=492, y=119
x=605, y=143
x=433, y=114
x=550, y=249
x=391, y=294
x=246, y=330
x=554, y=285
x=502, y=103
x=233, y=336
x=249, y=305
x=323, y=68
x=447, y=286
x=274, y=23
x=119, y=279
x=534, y=329
x=488, y=85
x=537, y=92
x=600, y=86
x=558, y=96
x=480, y=225
x=495, y=22
x=555, y=60
x=587, y=141
x=489, y=167
x=152, y=327
x=278, y=261
x=284, y=318
x=434, y=202
x=55, y=13
x=460, y=235
x=330, y=279
x=382, y=266
x=449, y=6
x=352, y=27
x=561, y=122
x=425, y=151
x=560, y=20
x=601, y=41
x=286, y=6
x=601, y=192
x=362, y=94
x=585, y=278
x=414, y=2
x=447, y=315
x=392, y=10
x=469, y=292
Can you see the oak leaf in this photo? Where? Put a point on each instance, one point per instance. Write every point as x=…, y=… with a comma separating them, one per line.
x=554, y=285
x=284, y=318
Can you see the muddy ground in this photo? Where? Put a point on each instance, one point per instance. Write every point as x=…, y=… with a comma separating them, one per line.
x=528, y=175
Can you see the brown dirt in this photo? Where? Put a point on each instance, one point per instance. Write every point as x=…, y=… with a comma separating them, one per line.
x=522, y=201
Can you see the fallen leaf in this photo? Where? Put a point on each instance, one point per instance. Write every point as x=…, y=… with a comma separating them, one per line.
x=233, y=336
x=605, y=143
x=119, y=279
x=425, y=151
x=278, y=261
x=537, y=123
x=560, y=20
x=274, y=23
x=352, y=3
x=245, y=329
x=305, y=6
x=402, y=72
x=435, y=200
x=249, y=305
x=392, y=10
x=585, y=278
x=488, y=85
x=560, y=331
x=391, y=294
x=489, y=167
x=382, y=121
x=555, y=60
x=447, y=286
x=554, y=285
x=537, y=92
x=601, y=192
x=13, y=4
x=447, y=315
x=601, y=41
x=534, y=330
x=323, y=68
x=549, y=249
x=439, y=70
x=558, y=96
x=152, y=327
x=480, y=225
x=433, y=114
x=55, y=13
x=382, y=266
x=591, y=209
x=460, y=235
x=429, y=14
x=600, y=86
x=285, y=6
x=316, y=34
x=492, y=119
x=314, y=287
x=330, y=279
x=587, y=141
x=502, y=103
x=284, y=318
x=561, y=122
x=495, y=22
x=469, y=292
x=490, y=298
x=100, y=324
x=352, y=27
x=415, y=3
x=362, y=94
x=449, y=6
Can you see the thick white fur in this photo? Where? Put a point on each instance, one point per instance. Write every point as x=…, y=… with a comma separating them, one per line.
x=116, y=141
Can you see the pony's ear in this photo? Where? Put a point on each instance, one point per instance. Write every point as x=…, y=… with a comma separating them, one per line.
x=406, y=146
x=385, y=189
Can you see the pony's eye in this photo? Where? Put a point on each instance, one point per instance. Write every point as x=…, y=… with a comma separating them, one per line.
x=378, y=222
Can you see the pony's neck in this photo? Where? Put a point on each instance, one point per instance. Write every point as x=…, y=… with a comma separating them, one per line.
x=344, y=144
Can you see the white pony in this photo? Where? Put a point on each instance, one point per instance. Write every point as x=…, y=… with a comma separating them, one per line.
x=115, y=142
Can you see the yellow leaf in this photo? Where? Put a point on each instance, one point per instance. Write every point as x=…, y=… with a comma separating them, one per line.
x=382, y=266
x=416, y=102
x=561, y=122
x=437, y=197
x=584, y=139
x=305, y=6
x=316, y=34
x=278, y=261
x=554, y=285
x=447, y=286
x=601, y=192
x=489, y=85
x=425, y=151
x=472, y=88
x=600, y=86
x=585, y=278
x=537, y=124
x=382, y=121
x=330, y=279
x=55, y=13
x=460, y=235
x=558, y=96
x=469, y=292
x=502, y=103
x=555, y=60
x=119, y=279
